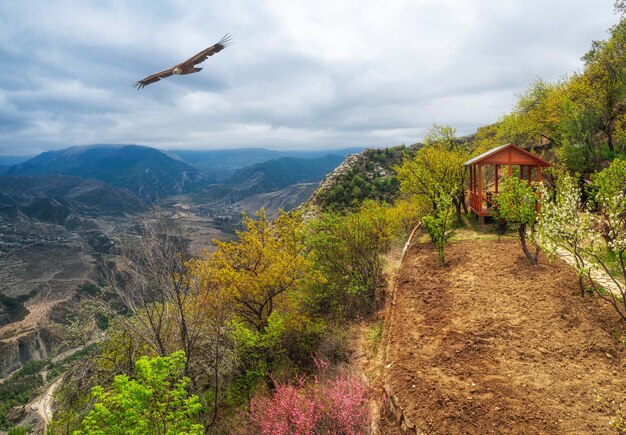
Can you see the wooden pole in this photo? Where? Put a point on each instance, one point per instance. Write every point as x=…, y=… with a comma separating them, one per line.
x=480, y=189
x=496, y=171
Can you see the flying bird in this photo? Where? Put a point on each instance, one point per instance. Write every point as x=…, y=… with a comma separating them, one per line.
x=186, y=67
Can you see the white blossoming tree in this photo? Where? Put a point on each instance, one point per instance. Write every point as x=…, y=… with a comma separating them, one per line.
x=608, y=195
x=565, y=228
x=562, y=228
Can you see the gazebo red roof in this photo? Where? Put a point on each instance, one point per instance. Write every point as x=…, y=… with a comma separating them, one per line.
x=509, y=154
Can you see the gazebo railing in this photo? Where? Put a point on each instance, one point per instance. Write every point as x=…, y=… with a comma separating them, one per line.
x=476, y=201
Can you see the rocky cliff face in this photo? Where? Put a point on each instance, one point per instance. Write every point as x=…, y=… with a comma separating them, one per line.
x=314, y=206
x=272, y=202
x=32, y=346
x=366, y=175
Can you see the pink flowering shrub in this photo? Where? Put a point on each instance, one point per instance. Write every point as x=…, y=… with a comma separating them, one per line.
x=333, y=406
x=347, y=411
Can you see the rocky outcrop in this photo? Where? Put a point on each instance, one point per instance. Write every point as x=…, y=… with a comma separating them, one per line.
x=272, y=202
x=32, y=346
x=369, y=170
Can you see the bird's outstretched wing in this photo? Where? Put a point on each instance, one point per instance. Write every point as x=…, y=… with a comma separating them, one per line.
x=204, y=54
x=153, y=78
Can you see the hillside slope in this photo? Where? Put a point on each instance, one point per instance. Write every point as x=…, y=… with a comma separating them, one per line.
x=366, y=175
x=56, y=198
x=285, y=199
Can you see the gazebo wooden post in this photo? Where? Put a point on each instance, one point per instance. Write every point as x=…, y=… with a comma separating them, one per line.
x=474, y=185
x=538, y=207
x=479, y=192
x=496, y=175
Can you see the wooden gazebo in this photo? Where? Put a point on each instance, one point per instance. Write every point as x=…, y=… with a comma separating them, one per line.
x=485, y=171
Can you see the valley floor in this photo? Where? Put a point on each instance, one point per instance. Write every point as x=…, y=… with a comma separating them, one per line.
x=491, y=344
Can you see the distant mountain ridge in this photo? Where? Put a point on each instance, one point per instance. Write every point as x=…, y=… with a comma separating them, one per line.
x=146, y=171
x=270, y=176
x=283, y=172
x=222, y=164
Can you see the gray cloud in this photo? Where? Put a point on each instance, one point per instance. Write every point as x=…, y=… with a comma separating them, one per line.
x=301, y=74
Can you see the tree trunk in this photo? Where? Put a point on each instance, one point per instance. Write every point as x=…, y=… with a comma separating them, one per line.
x=581, y=286
x=465, y=211
x=522, y=239
x=269, y=377
x=609, y=140
x=442, y=254
x=608, y=130
x=457, y=206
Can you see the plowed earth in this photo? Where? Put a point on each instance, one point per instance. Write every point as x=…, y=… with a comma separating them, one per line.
x=491, y=344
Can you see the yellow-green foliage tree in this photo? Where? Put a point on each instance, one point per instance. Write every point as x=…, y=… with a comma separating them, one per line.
x=582, y=117
x=265, y=263
x=536, y=116
x=437, y=167
x=406, y=213
x=605, y=75
x=260, y=273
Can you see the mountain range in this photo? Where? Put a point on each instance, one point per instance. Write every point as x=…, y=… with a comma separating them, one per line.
x=145, y=171
x=269, y=176
x=222, y=164
x=153, y=174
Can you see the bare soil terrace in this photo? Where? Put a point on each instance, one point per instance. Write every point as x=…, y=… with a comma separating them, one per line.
x=491, y=344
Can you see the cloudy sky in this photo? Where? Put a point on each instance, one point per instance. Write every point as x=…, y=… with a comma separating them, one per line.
x=302, y=74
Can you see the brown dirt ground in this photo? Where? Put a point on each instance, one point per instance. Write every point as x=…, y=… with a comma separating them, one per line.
x=491, y=344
